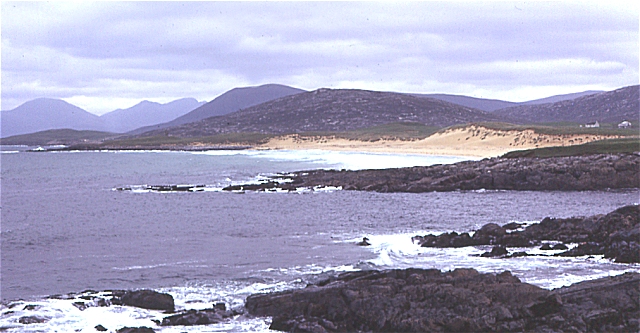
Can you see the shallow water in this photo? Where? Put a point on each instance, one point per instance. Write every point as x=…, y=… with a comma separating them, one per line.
x=65, y=229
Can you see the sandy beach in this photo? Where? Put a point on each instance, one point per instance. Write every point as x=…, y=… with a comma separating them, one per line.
x=473, y=141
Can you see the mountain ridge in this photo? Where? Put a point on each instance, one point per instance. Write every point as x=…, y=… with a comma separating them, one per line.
x=230, y=101
x=606, y=107
x=331, y=110
x=147, y=113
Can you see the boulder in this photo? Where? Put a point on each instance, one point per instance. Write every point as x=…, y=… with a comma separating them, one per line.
x=147, y=299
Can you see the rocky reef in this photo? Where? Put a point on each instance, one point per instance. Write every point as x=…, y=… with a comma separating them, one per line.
x=615, y=235
x=573, y=173
x=463, y=300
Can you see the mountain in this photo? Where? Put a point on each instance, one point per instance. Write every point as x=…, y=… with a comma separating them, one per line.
x=331, y=110
x=491, y=105
x=560, y=98
x=46, y=113
x=471, y=102
x=606, y=107
x=231, y=101
x=148, y=113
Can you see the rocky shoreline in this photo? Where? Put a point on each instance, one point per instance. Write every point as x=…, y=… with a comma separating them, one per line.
x=462, y=300
x=615, y=235
x=573, y=173
x=400, y=300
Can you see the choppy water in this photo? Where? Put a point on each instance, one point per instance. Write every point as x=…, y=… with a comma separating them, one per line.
x=65, y=229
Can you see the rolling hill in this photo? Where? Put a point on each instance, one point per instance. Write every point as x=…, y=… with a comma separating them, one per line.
x=606, y=107
x=331, y=110
x=231, y=101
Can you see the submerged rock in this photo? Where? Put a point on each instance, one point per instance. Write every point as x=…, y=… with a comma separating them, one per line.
x=463, y=300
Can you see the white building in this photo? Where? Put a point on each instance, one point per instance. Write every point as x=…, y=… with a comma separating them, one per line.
x=592, y=125
x=624, y=124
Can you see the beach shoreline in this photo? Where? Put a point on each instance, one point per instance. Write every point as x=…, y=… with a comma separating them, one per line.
x=471, y=141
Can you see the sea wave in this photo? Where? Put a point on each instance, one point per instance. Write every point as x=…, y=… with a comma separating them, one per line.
x=546, y=271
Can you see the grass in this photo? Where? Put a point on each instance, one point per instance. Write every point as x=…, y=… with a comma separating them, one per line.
x=399, y=131
x=392, y=131
x=556, y=128
x=612, y=146
x=173, y=141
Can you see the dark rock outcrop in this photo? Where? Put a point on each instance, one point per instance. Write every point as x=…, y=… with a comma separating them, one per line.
x=463, y=300
x=135, y=330
x=26, y=320
x=573, y=173
x=615, y=235
x=215, y=315
x=146, y=299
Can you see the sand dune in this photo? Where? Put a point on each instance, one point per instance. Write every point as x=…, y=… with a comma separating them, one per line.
x=476, y=141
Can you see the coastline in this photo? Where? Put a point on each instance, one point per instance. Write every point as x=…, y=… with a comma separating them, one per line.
x=472, y=141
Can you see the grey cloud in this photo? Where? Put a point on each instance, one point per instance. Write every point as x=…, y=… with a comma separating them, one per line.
x=53, y=47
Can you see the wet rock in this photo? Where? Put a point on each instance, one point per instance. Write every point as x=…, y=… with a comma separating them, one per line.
x=146, y=299
x=560, y=247
x=143, y=329
x=31, y=307
x=364, y=242
x=200, y=317
x=546, y=247
x=32, y=320
x=615, y=235
x=496, y=251
x=463, y=300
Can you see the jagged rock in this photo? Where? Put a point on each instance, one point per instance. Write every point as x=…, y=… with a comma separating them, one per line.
x=463, y=300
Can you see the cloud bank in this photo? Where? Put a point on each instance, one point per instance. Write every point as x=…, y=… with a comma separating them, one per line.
x=108, y=55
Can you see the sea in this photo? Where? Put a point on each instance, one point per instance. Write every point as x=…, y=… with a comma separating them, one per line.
x=67, y=231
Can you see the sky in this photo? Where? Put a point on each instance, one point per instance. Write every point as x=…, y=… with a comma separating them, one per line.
x=102, y=56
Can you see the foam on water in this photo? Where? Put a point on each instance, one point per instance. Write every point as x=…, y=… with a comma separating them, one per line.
x=344, y=159
x=398, y=251
x=62, y=316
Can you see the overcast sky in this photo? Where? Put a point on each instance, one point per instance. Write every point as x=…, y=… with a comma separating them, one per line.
x=108, y=55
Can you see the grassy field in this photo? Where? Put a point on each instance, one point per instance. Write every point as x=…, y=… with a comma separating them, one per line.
x=399, y=131
x=613, y=146
x=391, y=131
x=173, y=141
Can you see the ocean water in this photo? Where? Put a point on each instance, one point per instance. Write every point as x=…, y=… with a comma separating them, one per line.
x=66, y=230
